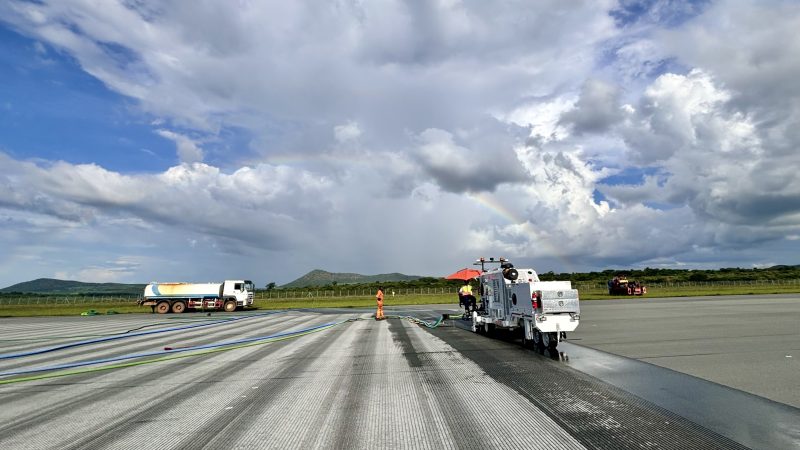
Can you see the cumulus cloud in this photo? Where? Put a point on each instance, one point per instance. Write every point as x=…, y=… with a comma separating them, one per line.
x=596, y=110
x=254, y=206
x=188, y=150
x=489, y=161
x=347, y=132
x=373, y=133
x=665, y=120
x=561, y=225
x=390, y=64
x=752, y=48
x=717, y=156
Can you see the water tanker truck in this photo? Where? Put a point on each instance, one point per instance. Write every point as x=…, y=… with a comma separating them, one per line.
x=540, y=312
x=178, y=297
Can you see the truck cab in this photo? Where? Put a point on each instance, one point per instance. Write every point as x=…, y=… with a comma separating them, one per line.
x=240, y=291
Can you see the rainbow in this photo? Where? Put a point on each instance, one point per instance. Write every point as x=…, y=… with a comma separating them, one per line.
x=489, y=202
x=484, y=199
x=301, y=160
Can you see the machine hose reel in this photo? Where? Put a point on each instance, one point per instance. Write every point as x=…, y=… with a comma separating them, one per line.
x=511, y=274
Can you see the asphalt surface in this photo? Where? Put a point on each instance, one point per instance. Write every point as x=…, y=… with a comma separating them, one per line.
x=750, y=343
x=359, y=384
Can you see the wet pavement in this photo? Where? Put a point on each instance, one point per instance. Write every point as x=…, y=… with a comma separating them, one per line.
x=746, y=419
x=750, y=343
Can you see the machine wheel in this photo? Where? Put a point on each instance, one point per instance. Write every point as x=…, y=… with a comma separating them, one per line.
x=550, y=340
x=537, y=339
x=178, y=307
x=553, y=341
x=230, y=306
x=162, y=307
x=488, y=329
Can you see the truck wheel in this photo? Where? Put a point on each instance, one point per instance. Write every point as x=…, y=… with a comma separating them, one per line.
x=178, y=307
x=230, y=306
x=162, y=307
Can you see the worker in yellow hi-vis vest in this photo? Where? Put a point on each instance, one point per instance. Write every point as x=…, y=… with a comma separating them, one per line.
x=466, y=298
x=379, y=296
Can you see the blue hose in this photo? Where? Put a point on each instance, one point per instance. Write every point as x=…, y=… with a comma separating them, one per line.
x=39, y=351
x=161, y=353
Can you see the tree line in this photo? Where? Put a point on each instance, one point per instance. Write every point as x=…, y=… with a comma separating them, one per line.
x=644, y=276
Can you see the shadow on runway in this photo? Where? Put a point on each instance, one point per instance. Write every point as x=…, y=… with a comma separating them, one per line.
x=719, y=408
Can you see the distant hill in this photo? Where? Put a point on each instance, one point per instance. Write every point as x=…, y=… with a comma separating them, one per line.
x=67, y=287
x=319, y=277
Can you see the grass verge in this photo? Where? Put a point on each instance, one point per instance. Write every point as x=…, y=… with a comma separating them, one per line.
x=68, y=310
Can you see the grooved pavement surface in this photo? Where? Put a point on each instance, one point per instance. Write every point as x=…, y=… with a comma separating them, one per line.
x=361, y=384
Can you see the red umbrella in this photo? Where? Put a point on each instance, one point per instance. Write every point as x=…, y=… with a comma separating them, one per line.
x=464, y=274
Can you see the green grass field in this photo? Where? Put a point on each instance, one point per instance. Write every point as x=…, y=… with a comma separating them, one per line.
x=696, y=291
x=592, y=294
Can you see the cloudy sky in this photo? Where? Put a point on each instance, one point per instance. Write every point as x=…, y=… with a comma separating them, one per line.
x=206, y=140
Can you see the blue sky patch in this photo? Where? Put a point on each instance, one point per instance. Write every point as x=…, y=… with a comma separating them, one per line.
x=598, y=197
x=665, y=13
x=50, y=108
x=630, y=176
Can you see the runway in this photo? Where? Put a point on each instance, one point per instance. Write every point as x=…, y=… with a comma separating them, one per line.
x=358, y=384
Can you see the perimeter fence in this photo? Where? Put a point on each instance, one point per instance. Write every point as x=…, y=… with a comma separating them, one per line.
x=261, y=295
x=281, y=294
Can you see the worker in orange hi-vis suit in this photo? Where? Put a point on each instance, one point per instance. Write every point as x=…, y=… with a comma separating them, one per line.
x=379, y=296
